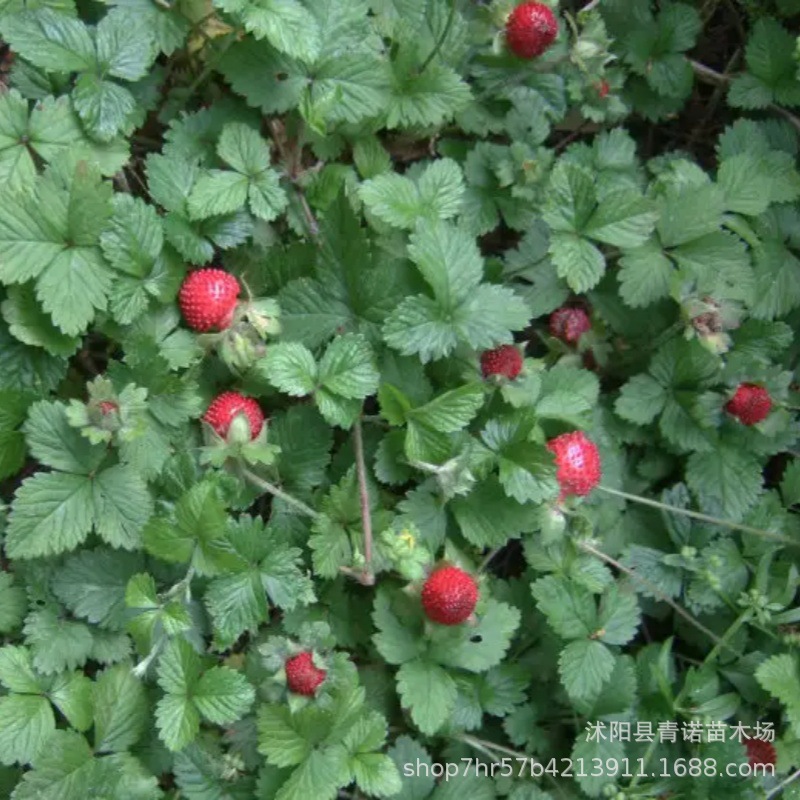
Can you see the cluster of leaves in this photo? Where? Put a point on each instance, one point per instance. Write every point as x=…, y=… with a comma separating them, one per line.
x=396, y=194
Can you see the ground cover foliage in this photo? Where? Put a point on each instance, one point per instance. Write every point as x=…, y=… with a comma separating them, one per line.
x=404, y=204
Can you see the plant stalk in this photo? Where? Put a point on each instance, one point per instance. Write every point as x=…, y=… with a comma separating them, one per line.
x=442, y=38
x=270, y=488
x=735, y=526
x=367, y=575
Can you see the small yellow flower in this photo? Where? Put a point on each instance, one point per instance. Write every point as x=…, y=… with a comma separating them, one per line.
x=408, y=538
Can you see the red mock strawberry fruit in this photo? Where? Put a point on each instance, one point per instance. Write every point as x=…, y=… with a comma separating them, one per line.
x=226, y=406
x=107, y=407
x=569, y=324
x=530, y=29
x=751, y=404
x=760, y=752
x=577, y=463
x=505, y=361
x=302, y=675
x=449, y=596
x=208, y=299
x=603, y=88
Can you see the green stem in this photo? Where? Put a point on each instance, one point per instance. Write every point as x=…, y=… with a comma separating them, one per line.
x=367, y=575
x=490, y=748
x=488, y=558
x=781, y=786
x=735, y=526
x=478, y=745
x=441, y=40
x=270, y=488
x=183, y=585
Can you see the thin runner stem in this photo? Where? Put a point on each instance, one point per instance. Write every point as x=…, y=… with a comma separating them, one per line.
x=656, y=592
x=367, y=576
x=736, y=526
x=275, y=491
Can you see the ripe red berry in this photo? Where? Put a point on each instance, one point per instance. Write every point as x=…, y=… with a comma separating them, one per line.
x=208, y=299
x=750, y=403
x=449, y=596
x=530, y=29
x=302, y=675
x=602, y=89
x=226, y=406
x=569, y=324
x=107, y=407
x=760, y=752
x=577, y=463
x=505, y=360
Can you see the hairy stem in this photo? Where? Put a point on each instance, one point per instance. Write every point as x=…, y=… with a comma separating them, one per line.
x=735, y=526
x=275, y=491
x=367, y=576
x=715, y=78
x=781, y=786
x=490, y=748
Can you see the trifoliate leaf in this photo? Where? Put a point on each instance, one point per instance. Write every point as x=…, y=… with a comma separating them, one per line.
x=400, y=201
x=487, y=517
x=122, y=505
x=13, y=603
x=479, y=647
x=687, y=213
x=196, y=533
x=121, y=710
x=283, y=736
x=26, y=725
x=222, y=695
x=269, y=570
x=451, y=411
x=428, y=692
x=55, y=443
x=727, y=481
x=50, y=40
x=92, y=585
x=399, y=636
x=641, y=399
x=40, y=500
x=780, y=676
x=286, y=24
x=29, y=323
x=569, y=607
x=585, y=665
x=645, y=275
x=374, y=772
x=348, y=368
x=105, y=107
x=56, y=644
x=427, y=99
x=72, y=693
x=618, y=615
x=772, y=75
